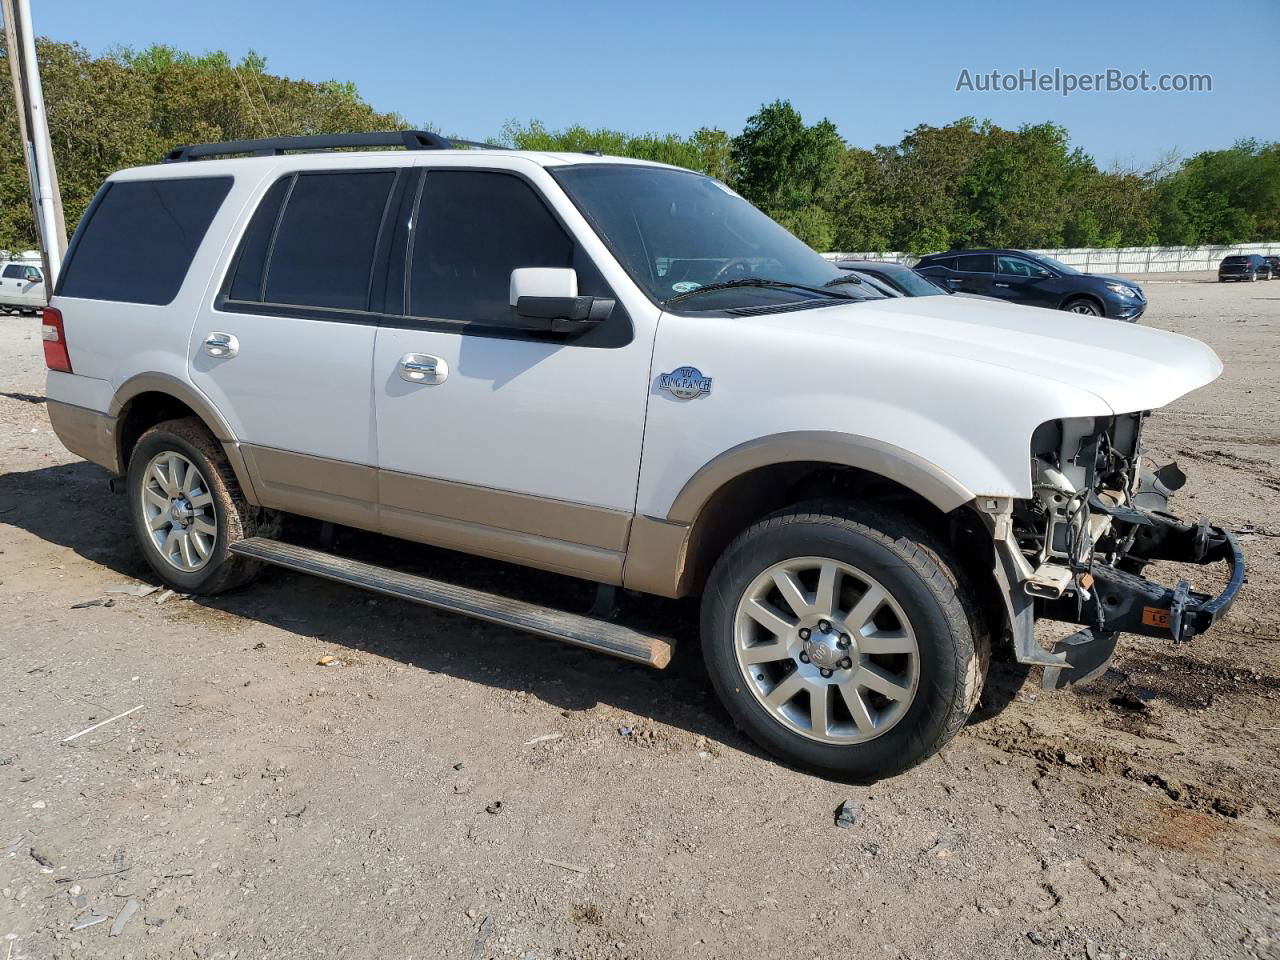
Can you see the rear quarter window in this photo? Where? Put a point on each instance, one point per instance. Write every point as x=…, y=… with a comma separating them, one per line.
x=137, y=241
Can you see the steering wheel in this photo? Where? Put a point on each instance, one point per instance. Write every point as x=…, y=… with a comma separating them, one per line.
x=741, y=264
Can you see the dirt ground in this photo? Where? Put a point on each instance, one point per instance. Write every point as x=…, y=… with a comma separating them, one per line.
x=448, y=789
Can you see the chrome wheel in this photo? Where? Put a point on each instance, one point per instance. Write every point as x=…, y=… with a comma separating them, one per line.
x=826, y=650
x=1083, y=307
x=178, y=511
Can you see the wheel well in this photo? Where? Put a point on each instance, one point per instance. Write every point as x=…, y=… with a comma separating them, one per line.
x=1096, y=301
x=756, y=494
x=142, y=413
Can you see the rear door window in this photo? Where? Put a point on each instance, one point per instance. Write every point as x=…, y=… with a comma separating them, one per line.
x=974, y=263
x=139, y=238
x=12, y=272
x=323, y=249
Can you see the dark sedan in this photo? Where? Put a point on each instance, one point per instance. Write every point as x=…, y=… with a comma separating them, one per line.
x=897, y=280
x=1035, y=280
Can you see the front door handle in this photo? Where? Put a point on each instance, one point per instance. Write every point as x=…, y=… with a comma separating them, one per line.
x=1002, y=285
x=422, y=368
x=221, y=345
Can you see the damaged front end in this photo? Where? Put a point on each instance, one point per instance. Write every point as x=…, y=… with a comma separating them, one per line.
x=1075, y=550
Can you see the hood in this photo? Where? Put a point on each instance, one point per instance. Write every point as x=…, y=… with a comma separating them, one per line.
x=1104, y=278
x=1129, y=367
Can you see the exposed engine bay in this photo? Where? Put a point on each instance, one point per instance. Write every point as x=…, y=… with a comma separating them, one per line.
x=1077, y=548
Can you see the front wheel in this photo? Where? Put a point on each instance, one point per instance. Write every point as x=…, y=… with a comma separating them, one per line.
x=187, y=509
x=1081, y=305
x=842, y=640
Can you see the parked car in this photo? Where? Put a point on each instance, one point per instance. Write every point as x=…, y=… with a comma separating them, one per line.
x=1274, y=263
x=905, y=281
x=21, y=287
x=900, y=280
x=1249, y=266
x=622, y=372
x=1035, y=280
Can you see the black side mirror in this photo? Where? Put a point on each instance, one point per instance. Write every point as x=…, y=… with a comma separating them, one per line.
x=567, y=315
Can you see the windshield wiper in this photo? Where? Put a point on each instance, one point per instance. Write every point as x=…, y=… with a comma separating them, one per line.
x=764, y=282
x=847, y=278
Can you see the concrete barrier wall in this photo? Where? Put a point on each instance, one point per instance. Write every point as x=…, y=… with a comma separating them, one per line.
x=1118, y=259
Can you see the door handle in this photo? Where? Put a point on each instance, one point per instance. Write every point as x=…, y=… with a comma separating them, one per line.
x=221, y=345
x=955, y=280
x=1001, y=284
x=422, y=368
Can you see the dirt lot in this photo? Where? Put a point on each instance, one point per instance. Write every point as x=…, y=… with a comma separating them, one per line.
x=452, y=790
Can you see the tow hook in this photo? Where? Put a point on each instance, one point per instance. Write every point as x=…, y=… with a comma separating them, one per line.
x=1177, y=611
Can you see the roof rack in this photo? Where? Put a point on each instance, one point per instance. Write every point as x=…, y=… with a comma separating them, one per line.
x=277, y=146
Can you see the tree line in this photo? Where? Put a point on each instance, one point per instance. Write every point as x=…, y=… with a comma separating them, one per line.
x=968, y=183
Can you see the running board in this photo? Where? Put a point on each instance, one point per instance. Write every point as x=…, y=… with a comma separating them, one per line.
x=611, y=638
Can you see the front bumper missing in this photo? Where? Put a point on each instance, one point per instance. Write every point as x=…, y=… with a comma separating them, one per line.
x=1121, y=600
x=1116, y=599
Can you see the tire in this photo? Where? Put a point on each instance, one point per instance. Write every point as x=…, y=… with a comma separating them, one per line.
x=219, y=514
x=926, y=605
x=1253, y=277
x=1083, y=305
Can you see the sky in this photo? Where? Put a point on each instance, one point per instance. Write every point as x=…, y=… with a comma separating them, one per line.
x=876, y=70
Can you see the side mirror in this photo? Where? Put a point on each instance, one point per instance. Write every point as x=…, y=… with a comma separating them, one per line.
x=546, y=299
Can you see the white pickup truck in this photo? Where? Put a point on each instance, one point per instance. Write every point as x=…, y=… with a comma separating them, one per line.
x=623, y=372
x=21, y=286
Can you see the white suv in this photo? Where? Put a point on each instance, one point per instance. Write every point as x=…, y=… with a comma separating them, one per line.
x=623, y=372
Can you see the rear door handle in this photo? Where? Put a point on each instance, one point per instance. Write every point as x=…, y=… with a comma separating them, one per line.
x=1001, y=284
x=221, y=345
x=423, y=368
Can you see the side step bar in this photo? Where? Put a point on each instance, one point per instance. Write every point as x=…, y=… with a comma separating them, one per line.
x=620, y=641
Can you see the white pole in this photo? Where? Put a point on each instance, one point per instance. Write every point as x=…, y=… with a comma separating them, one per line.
x=52, y=229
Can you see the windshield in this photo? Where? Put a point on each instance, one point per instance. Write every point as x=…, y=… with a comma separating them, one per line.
x=676, y=232
x=1056, y=265
x=913, y=284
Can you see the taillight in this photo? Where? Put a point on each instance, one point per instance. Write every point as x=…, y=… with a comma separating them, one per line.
x=55, y=341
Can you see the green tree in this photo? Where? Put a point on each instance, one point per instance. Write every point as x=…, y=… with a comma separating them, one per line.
x=785, y=168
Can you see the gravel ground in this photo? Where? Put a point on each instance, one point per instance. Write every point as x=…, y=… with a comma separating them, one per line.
x=448, y=789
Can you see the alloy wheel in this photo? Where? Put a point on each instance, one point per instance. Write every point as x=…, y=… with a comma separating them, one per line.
x=827, y=650
x=178, y=510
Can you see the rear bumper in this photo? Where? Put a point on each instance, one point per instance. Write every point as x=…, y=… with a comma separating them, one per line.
x=86, y=433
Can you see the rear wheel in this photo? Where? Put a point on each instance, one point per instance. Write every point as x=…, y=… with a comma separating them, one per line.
x=840, y=639
x=187, y=509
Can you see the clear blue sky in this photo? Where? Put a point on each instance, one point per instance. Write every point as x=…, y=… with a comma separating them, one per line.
x=875, y=69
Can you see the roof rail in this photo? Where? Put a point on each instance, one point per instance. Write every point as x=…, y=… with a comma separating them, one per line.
x=277, y=146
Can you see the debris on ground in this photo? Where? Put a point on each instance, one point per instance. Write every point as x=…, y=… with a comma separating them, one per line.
x=846, y=815
x=132, y=589
x=166, y=596
x=328, y=660
x=564, y=866
x=495, y=807
x=543, y=739
x=40, y=858
x=626, y=731
x=123, y=917
x=91, y=920
x=95, y=602
x=118, y=716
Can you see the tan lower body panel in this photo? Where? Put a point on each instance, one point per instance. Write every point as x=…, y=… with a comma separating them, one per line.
x=656, y=557
x=568, y=538
x=86, y=433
